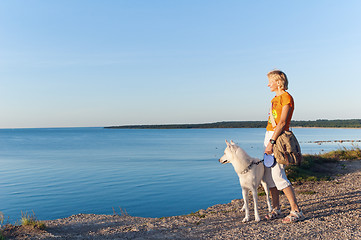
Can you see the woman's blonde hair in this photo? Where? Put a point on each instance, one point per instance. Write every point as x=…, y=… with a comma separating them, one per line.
x=280, y=77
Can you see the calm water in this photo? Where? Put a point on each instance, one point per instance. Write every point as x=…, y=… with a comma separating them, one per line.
x=150, y=173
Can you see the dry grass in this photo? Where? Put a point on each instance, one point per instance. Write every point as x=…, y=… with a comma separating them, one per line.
x=344, y=154
x=313, y=167
x=31, y=220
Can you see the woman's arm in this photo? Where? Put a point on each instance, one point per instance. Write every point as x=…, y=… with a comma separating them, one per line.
x=286, y=111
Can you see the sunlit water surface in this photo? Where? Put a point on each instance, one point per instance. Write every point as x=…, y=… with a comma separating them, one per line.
x=150, y=173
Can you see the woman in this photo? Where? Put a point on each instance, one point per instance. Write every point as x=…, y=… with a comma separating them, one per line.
x=282, y=110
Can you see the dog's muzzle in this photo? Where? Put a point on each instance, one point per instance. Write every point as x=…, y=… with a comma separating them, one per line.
x=223, y=161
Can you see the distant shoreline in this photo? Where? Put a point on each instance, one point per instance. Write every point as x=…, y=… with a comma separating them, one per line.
x=352, y=124
x=328, y=127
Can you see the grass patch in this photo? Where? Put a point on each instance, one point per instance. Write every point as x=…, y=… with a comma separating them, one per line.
x=345, y=154
x=310, y=192
x=197, y=214
x=263, y=193
x=1, y=219
x=31, y=220
x=1, y=223
x=312, y=167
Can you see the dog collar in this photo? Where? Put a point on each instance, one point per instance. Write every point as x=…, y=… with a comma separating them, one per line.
x=250, y=166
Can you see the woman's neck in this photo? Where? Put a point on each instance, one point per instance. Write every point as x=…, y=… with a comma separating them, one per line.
x=279, y=92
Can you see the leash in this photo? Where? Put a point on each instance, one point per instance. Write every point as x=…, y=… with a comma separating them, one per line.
x=250, y=166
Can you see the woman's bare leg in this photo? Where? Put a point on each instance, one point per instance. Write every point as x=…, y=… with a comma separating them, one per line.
x=290, y=194
x=275, y=195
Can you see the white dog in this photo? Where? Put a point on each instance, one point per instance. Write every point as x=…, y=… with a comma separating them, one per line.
x=250, y=172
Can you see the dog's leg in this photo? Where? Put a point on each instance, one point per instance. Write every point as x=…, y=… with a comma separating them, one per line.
x=255, y=201
x=268, y=200
x=245, y=206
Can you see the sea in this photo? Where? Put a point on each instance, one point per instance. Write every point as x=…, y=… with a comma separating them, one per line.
x=58, y=172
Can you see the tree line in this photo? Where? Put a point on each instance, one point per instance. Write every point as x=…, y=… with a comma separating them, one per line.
x=351, y=123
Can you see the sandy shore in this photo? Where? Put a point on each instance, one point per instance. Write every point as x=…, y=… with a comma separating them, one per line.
x=332, y=209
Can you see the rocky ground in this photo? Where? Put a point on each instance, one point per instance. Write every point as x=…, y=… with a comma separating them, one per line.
x=332, y=210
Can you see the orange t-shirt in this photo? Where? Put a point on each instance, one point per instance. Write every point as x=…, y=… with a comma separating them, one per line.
x=278, y=102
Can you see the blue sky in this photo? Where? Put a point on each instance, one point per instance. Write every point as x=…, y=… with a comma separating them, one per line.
x=73, y=63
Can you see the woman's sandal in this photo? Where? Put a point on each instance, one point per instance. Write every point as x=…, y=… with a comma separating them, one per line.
x=273, y=214
x=294, y=217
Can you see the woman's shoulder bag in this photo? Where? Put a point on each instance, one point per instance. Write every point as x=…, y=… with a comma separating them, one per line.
x=286, y=150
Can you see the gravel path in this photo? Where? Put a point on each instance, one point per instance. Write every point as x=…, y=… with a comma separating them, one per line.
x=332, y=210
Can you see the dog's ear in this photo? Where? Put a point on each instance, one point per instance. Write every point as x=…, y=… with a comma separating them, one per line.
x=232, y=142
x=227, y=143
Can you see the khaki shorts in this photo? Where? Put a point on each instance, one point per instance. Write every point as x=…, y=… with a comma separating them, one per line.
x=275, y=176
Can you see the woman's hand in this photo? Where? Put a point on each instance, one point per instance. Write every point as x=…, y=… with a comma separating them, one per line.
x=269, y=149
x=286, y=111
